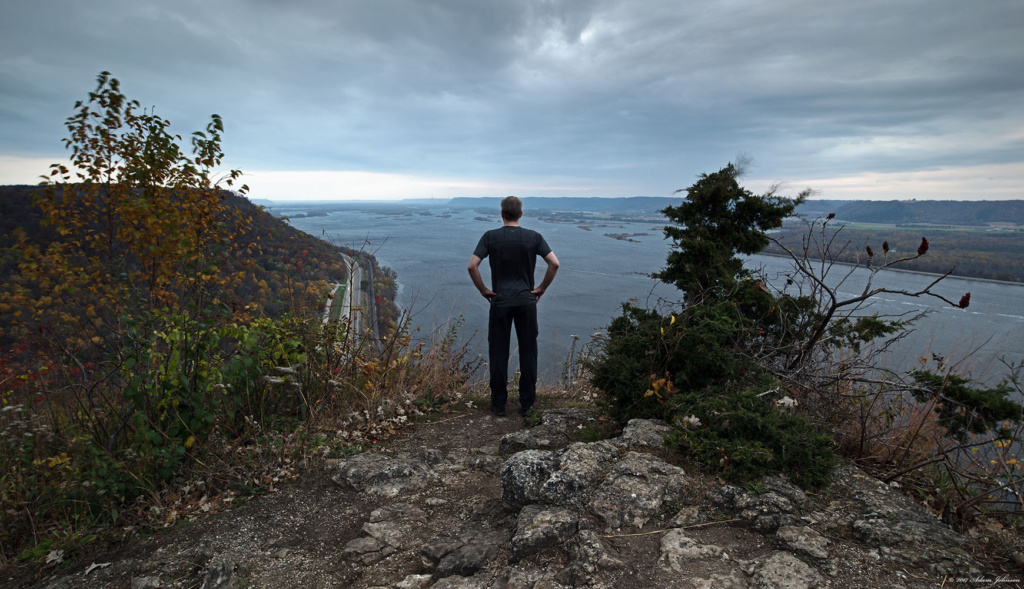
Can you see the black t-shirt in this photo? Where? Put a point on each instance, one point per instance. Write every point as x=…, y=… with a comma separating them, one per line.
x=513, y=255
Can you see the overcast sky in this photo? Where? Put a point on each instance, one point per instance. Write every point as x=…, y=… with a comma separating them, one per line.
x=390, y=99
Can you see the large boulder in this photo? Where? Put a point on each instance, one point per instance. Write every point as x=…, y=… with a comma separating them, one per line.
x=901, y=529
x=566, y=477
x=524, y=474
x=539, y=527
x=581, y=468
x=636, y=489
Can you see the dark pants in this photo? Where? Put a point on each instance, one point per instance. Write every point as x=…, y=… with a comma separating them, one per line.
x=499, y=333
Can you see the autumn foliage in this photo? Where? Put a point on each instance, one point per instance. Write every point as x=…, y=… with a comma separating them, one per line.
x=153, y=321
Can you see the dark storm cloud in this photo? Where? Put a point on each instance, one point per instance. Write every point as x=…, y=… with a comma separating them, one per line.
x=634, y=94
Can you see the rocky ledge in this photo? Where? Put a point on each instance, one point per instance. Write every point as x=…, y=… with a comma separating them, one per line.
x=535, y=510
x=565, y=510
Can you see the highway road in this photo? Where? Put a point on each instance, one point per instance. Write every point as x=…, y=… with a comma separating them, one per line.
x=351, y=300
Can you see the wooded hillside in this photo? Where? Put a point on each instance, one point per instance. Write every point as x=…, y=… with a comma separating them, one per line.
x=288, y=270
x=931, y=212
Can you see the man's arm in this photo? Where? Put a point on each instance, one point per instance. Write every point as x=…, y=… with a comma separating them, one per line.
x=549, y=275
x=478, y=281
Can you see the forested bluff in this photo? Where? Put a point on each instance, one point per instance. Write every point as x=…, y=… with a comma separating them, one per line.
x=292, y=270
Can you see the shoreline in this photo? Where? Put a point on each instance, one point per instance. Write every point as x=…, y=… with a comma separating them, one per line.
x=951, y=276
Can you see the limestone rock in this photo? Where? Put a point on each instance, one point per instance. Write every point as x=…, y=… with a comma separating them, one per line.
x=393, y=534
x=764, y=512
x=543, y=437
x=488, y=463
x=384, y=475
x=395, y=525
x=643, y=433
x=916, y=542
x=782, y=486
x=460, y=583
x=677, y=549
x=578, y=473
x=804, y=540
x=902, y=530
x=466, y=549
x=527, y=579
x=220, y=575
x=414, y=582
x=539, y=527
x=367, y=550
x=688, y=516
x=592, y=555
x=524, y=474
x=149, y=582
x=782, y=570
x=471, y=556
x=590, y=559
x=398, y=512
x=637, y=488
x=734, y=580
x=553, y=433
x=568, y=418
x=434, y=550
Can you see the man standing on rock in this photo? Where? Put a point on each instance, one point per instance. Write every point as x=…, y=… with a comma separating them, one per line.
x=513, y=253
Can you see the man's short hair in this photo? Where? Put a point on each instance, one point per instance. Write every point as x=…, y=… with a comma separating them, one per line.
x=511, y=208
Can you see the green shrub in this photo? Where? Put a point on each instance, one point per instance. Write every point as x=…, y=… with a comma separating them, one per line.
x=964, y=410
x=744, y=436
x=704, y=363
x=691, y=350
x=698, y=364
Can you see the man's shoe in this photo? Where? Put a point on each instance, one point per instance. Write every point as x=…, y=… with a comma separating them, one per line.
x=498, y=412
x=526, y=411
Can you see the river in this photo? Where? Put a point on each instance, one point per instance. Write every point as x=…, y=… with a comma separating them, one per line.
x=429, y=249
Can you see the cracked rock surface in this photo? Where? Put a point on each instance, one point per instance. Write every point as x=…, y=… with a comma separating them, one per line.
x=478, y=502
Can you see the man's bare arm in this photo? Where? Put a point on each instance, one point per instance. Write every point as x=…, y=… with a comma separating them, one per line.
x=478, y=281
x=549, y=275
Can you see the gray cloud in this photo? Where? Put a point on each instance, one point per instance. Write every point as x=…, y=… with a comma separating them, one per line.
x=641, y=94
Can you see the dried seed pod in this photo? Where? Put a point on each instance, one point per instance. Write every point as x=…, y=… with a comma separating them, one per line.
x=885, y=246
x=965, y=301
x=923, y=248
